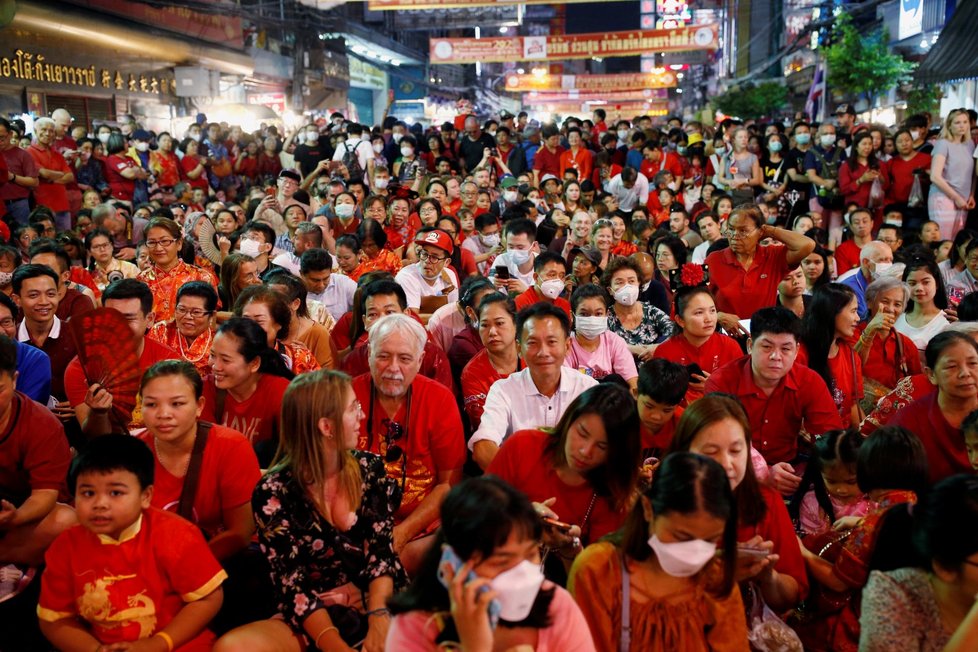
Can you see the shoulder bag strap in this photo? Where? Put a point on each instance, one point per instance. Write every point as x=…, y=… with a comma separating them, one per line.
x=185, y=507
x=625, y=641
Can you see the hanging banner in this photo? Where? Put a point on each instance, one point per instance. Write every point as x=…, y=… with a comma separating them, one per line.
x=619, y=82
x=615, y=111
x=388, y=5
x=572, y=46
x=647, y=95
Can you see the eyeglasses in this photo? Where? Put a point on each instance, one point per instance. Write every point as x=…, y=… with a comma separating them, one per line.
x=424, y=256
x=164, y=242
x=739, y=234
x=100, y=247
x=394, y=432
x=196, y=313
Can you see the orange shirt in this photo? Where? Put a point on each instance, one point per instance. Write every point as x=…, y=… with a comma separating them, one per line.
x=582, y=161
x=196, y=353
x=386, y=261
x=165, y=284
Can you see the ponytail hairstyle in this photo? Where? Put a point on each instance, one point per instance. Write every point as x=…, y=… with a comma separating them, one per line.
x=253, y=343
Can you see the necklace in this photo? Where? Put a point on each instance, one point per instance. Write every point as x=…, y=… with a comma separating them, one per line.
x=207, y=347
x=186, y=465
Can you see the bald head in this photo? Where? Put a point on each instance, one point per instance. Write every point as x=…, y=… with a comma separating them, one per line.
x=62, y=121
x=646, y=263
x=871, y=255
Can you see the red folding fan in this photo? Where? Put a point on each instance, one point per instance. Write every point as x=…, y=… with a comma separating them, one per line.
x=109, y=356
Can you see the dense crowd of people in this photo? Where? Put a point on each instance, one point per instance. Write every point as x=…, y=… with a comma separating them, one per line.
x=606, y=384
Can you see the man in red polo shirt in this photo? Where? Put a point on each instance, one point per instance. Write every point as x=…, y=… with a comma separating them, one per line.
x=547, y=158
x=780, y=397
x=53, y=172
x=744, y=277
x=549, y=270
x=412, y=422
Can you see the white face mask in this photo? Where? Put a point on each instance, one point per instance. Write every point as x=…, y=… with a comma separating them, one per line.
x=683, y=558
x=509, y=196
x=6, y=278
x=196, y=136
x=914, y=134
x=378, y=148
x=827, y=140
x=552, y=288
x=880, y=268
x=407, y=151
x=381, y=182
x=622, y=134
x=516, y=590
x=491, y=240
x=590, y=327
x=397, y=137
x=519, y=256
x=312, y=136
x=142, y=147
x=627, y=295
x=104, y=138
x=249, y=247
x=344, y=210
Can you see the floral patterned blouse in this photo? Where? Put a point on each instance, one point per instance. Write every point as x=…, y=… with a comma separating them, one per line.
x=310, y=557
x=655, y=327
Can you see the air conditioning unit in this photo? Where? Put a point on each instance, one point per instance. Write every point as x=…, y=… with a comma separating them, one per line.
x=194, y=81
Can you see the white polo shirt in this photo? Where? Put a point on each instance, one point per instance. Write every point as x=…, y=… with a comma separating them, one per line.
x=337, y=298
x=514, y=403
x=415, y=286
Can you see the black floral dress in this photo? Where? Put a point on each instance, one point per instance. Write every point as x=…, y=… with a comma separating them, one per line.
x=308, y=556
x=655, y=327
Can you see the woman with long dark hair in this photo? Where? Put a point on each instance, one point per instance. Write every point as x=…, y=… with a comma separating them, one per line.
x=924, y=317
x=829, y=323
x=582, y=473
x=861, y=171
x=489, y=539
x=677, y=554
x=771, y=562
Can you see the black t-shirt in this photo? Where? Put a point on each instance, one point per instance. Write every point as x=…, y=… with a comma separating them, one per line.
x=309, y=156
x=795, y=160
x=470, y=151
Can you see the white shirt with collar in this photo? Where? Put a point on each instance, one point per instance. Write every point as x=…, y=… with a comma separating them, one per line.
x=504, y=260
x=629, y=198
x=337, y=298
x=964, y=281
x=415, y=286
x=24, y=336
x=514, y=403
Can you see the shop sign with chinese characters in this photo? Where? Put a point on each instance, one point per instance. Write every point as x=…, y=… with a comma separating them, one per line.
x=29, y=66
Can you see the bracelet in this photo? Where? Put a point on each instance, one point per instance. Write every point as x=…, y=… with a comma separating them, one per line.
x=383, y=611
x=166, y=639
x=325, y=631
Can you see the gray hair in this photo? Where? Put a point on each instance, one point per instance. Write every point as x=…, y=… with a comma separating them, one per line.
x=44, y=122
x=386, y=326
x=871, y=247
x=969, y=328
x=885, y=284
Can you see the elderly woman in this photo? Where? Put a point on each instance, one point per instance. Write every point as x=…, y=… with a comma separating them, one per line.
x=640, y=324
x=191, y=331
x=887, y=354
x=745, y=276
x=602, y=239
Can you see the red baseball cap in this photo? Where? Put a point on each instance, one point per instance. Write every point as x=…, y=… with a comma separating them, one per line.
x=436, y=238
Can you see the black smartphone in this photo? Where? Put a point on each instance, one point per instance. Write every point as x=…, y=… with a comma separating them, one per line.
x=502, y=273
x=694, y=369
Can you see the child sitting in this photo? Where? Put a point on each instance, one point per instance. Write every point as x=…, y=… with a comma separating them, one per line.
x=662, y=385
x=829, y=495
x=127, y=573
x=969, y=428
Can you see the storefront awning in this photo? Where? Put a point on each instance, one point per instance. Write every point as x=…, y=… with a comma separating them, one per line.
x=955, y=56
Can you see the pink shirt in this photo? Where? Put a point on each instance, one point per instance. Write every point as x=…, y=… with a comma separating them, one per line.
x=611, y=357
x=416, y=631
x=814, y=520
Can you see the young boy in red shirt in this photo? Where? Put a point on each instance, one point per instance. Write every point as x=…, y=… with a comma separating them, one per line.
x=662, y=385
x=127, y=573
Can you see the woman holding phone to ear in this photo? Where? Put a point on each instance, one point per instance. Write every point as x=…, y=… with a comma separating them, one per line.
x=480, y=586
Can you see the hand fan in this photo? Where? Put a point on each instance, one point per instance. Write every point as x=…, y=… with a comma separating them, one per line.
x=109, y=355
x=205, y=237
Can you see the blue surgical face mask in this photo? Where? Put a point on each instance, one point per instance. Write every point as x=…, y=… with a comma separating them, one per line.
x=519, y=256
x=774, y=146
x=803, y=139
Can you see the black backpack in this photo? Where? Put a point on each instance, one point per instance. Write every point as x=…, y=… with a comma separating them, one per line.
x=352, y=161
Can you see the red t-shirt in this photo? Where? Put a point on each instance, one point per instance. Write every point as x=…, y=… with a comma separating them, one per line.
x=340, y=335
x=76, y=385
x=228, y=474
x=900, y=175
x=46, y=193
x=34, y=451
x=713, y=354
x=548, y=162
x=776, y=527
x=257, y=416
x=189, y=164
x=885, y=364
x=847, y=256
x=131, y=588
x=946, y=454
x=434, y=363
x=743, y=292
x=776, y=420
x=476, y=379
x=432, y=441
x=121, y=187
x=531, y=296
x=655, y=444
x=522, y=461
x=848, y=386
